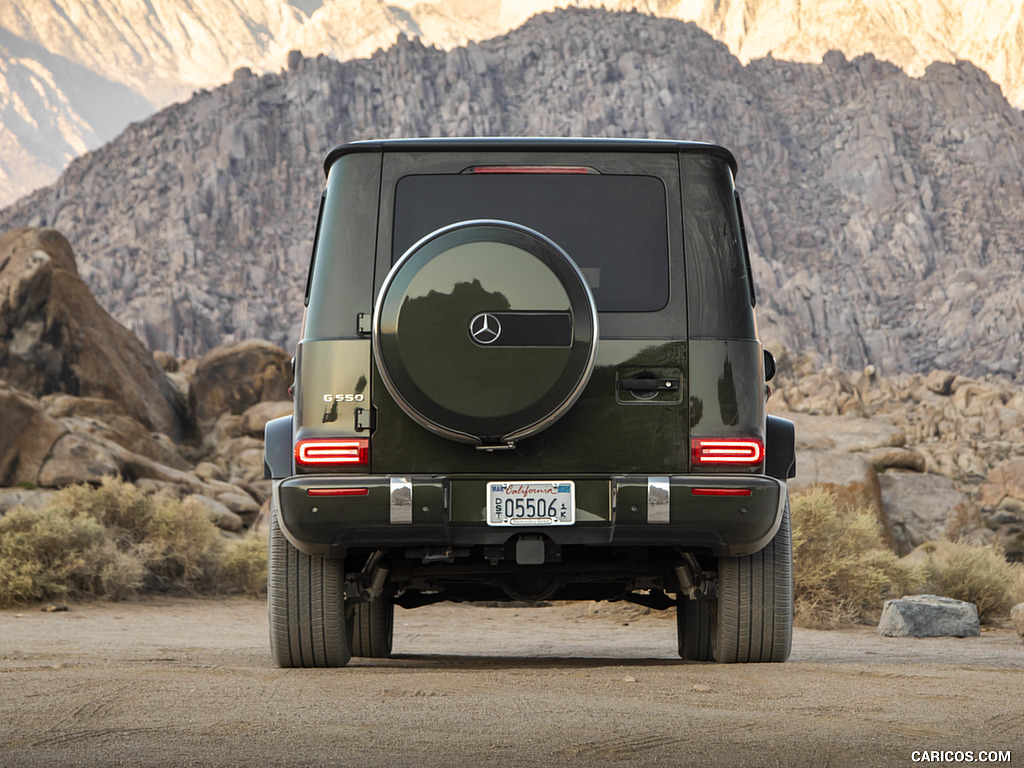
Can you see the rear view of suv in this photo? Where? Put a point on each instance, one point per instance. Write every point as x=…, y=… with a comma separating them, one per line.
x=529, y=370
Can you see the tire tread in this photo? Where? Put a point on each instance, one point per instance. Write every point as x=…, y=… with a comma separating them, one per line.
x=753, y=619
x=306, y=610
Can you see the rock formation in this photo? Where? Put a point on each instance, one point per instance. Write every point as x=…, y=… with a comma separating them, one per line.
x=54, y=337
x=234, y=377
x=81, y=398
x=936, y=455
x=885, y=213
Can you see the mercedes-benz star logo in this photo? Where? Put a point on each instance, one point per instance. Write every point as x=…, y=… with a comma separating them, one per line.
x=484, y=328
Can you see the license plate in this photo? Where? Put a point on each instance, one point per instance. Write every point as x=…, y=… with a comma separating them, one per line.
x=532, y=503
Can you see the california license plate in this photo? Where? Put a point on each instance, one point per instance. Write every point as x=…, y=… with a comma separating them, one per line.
x=531, y=503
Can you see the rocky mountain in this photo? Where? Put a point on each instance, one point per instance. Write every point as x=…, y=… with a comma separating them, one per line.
x=73, y=73
x=885, y=212
x=51, y=111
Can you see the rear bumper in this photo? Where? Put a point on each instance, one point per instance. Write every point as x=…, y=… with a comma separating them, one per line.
x=620, y=511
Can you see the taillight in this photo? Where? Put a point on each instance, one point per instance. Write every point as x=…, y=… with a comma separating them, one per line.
x=352, y=452
x=720, y=451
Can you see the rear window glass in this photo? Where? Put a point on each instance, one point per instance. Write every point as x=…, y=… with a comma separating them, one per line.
x=613, y=227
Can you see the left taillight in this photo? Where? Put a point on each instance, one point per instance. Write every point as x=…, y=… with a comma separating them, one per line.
x=323, y=453
x=726, y=451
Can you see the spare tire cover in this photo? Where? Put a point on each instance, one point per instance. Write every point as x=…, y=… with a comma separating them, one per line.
x=485, y=332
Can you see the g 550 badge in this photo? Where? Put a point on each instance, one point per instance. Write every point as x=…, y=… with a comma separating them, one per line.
x=344, y=398
x=332, y=403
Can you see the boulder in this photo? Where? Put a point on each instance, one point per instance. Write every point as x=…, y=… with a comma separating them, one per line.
x=261, y=525
x=896, y=458
x=20, y=497
x=79, y=458
x=940, y=382
x=850, y=477
x=28, y=436
x=922, y=508
x=844, y=433
x=207, y=470
x=217, y=513
x=929, y=616
x=233, y=377
x=1017, y=617
x=243, y=458
x=55, y=337
x=1006, y=480
x=239, y=503
x=256, y=417
x=107, y=418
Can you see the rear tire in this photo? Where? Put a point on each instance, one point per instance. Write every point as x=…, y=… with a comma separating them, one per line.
x=309, y=624
x=373, y=628
x=753, y=618
x=693, y=628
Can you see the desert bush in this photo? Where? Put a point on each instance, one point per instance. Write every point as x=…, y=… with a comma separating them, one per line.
x=48, y=553
x=976, y=574
x=842, y=570
x=244, y=565
x=115, y=540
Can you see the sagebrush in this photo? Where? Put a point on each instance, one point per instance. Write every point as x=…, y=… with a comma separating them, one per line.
x=975, y=573
x=115, y=541
x=842, y=570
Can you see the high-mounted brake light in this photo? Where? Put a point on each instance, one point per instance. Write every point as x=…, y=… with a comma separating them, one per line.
x=326, y=453
x=531, y=169
x=718, y=451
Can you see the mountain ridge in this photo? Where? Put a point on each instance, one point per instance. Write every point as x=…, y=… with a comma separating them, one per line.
x=163, y=50
x=884, y=212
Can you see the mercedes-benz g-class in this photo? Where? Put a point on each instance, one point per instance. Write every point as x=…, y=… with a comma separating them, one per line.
x=529, y=370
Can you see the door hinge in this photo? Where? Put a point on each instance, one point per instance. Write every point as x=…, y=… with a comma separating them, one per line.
x=366, y=419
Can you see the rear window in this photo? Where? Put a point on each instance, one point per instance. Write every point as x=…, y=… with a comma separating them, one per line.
x=614, y=227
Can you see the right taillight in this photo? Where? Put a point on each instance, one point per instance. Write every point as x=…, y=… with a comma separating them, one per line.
x=352, y=452
x=726, y=451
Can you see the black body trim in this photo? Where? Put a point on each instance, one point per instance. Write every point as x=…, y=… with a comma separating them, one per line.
x=277, y=453
x=780, y=448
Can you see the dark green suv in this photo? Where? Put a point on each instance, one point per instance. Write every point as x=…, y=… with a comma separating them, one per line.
x=529, y=370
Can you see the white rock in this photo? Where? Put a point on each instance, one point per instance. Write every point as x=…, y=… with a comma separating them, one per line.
x=1017, y=616
x=929, y=616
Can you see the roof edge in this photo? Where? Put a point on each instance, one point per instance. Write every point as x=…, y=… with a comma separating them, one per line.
x=539, y=144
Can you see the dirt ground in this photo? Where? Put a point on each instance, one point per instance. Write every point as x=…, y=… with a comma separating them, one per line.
x=180, y=682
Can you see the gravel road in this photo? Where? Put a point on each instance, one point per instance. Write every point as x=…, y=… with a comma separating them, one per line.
x=183, y=682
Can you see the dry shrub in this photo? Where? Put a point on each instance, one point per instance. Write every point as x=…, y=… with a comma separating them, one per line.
x=49, y=553
x=244, y=565
x=185, y=546
x=842, y=570
x=976, y=574
x=115, y=540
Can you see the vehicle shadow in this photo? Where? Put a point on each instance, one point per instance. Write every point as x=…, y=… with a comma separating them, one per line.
x=444, y=661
